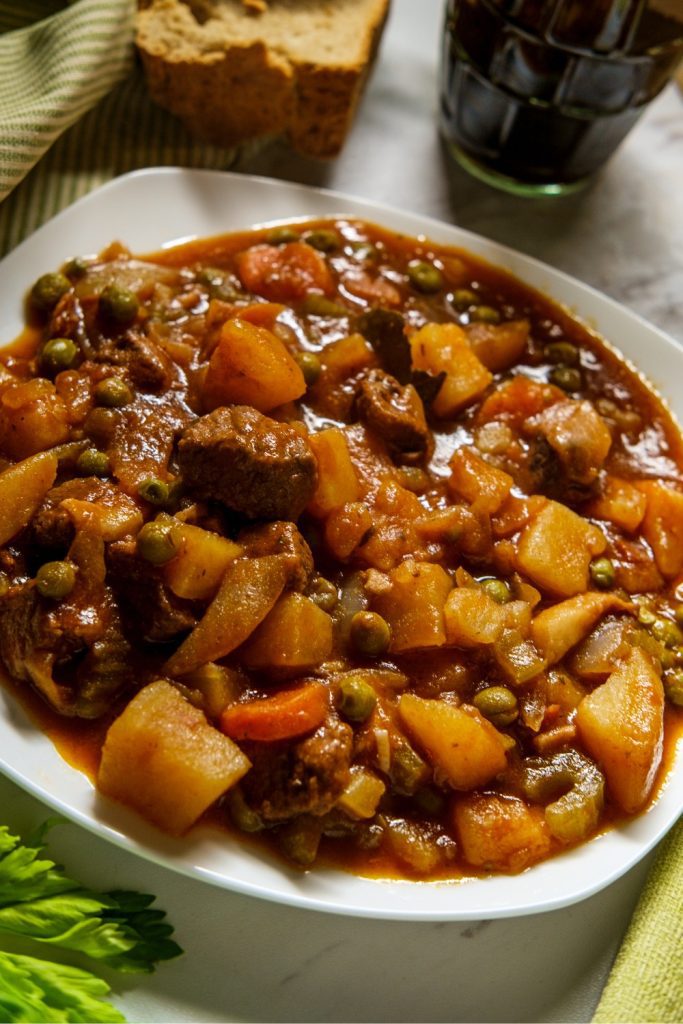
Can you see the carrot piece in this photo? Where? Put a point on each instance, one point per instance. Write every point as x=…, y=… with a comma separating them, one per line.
x=280, y=717
x=284, y=273
x=263, y=314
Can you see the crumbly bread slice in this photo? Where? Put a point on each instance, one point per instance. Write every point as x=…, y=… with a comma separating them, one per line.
x=231, y=71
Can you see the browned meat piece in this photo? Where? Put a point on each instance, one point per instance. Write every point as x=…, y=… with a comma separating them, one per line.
x=395, y=413
x=578, y=436
x=250, y=463
x=281, y=538
x=39, y=638
x=150, y=609
x=147, y=365
x=52, y=526
x=302, y=777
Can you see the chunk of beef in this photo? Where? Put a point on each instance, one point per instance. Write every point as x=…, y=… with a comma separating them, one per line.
x=52, y=527
x=395, y=412
x=147, y=366
x=577, y=434
x=249, y=462
x=40, y=638
x=150, y=609
x=306, y=776
x=281, y=538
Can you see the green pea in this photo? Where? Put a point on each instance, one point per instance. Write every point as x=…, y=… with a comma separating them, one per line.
x=673, y=687
x=310, y=366
x=323, y=240
x=365, y=251
x=220, y=284
x=113, y=393
x=323, y=593
x=566, y=377
x=100, y=425
x=463, y=297
x=485, y=314
x=498, y=590
x=76, y=268
x=48, y=290
x=93, y=462
x=498, y=704
x=667, y=632
x=158, y=542
x=562, y=353
x=154, y=490
x=357, y=698
x=55, y=579
x=603, y=573
x=120, y=305
x=58, y=354
x=282, y=235
x=425, y=277
x=319, y=305
x=646, y=616
x=370, y=633
x=414, y=479
x=210, y=276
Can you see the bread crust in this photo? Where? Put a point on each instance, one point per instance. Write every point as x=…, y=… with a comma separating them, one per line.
x=235, y=90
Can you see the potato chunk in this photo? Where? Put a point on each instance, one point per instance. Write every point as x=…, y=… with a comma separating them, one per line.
x=337, y=479
x=475, y=480
x=251, y=366
x=22, y=488
x=445, y=348
x=556, y=549
x=295, y=635
x=473, y=617
x=197, y=570
x=413, y=605
x=663, y=526
x=500, y=833
x=621, y=724
x=464, y=749
x=162, y=758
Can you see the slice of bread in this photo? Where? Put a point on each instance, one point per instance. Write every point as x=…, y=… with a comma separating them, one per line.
x=232, y=70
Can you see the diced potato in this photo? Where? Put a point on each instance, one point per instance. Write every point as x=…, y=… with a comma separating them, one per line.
x=464, y=749
x=32, y=417
x=111, y=520
x=162, y=758
x=621, y=724
x=498, y=345
x=620, y=502
x=296, y=635
x=475, y=480
x=445, y=347
x=663, y=526
x=420, y=849
x=515, y=513
x=556, y=549
x=346, y=527
x=344, y=358
x=198, y=568
x=472, y=617
x=500, y=833
x=337, y=479
x=413, y=605
x=22, y=489
x=362, y=794
x=560, y=627
x=251, y=366
x=249, y=589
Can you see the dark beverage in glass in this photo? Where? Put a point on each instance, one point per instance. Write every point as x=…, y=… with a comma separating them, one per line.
x=536, y=95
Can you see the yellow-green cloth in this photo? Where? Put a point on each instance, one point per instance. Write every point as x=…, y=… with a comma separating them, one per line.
x=646, y=982
x=73, y=102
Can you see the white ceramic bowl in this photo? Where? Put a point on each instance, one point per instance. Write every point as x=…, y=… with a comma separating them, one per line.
x=157, y=207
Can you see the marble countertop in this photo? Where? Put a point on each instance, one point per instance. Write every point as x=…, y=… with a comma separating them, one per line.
x=248, y=960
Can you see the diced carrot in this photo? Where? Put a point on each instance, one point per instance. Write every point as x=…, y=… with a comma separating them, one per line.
x=284, y=273
x=283, y=716
x=263, y=314
x=517, y=399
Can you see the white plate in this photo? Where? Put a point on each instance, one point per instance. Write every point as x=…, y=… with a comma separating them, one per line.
x=152, y=208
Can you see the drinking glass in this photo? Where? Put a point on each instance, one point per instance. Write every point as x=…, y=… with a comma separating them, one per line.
x=536, y=95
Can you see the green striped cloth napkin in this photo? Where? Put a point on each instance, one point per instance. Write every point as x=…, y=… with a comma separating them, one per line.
x=74, y=110
x=646, y=982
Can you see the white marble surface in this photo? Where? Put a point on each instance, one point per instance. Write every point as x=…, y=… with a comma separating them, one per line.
x=248, y=960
